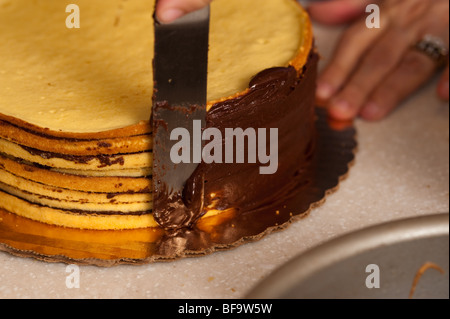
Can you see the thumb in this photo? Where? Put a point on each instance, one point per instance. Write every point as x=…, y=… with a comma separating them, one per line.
x=169, y=10
x=337, y=11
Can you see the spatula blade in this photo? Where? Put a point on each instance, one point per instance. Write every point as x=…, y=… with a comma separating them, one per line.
x=180, y=77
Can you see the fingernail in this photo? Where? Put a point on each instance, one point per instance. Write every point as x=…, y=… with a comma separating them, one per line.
x=324, y=91
x=170, y=15
x=341, y=109
x=370, y=111
x=341, y=105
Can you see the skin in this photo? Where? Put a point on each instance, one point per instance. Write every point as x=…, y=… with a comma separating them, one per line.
x=372, y=70
x=169, y=10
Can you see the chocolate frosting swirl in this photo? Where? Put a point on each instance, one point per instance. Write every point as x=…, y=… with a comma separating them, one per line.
x=278, y=98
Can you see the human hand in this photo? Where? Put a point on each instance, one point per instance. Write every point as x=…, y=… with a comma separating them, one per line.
x=169, y=10
x=374, y=70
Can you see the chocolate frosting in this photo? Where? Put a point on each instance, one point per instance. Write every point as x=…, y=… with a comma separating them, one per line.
x=281, y=98
x=278, y=98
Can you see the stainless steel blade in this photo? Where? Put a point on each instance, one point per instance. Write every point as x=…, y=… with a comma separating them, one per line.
x=180, y=75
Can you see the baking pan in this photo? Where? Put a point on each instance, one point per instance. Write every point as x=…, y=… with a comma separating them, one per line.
x=396, y=260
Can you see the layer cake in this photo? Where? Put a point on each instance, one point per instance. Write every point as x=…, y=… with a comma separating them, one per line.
x=75, y=104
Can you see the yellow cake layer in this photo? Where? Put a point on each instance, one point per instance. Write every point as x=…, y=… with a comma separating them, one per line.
x=102, y=184
x=136, y=173
x=104, y=163
x=99, y=77
x=64, y=218
x=111, y=206
x=121, y=145
x=68, y=195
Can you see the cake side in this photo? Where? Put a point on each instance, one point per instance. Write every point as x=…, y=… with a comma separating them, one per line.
x=279, y=99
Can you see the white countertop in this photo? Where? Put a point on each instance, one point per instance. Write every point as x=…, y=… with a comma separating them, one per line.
x=401, y=170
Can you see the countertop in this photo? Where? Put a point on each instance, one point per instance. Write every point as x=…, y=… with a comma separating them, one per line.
x=401, y=170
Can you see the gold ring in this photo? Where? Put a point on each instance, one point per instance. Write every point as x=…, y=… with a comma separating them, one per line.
x=434, y=48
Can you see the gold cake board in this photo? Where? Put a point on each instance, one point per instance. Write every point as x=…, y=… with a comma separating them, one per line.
x=336, y=147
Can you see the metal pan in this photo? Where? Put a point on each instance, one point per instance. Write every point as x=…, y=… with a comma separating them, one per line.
x=387, y=261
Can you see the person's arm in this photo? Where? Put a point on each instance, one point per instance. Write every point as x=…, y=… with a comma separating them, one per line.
x=373, y=70
x=169, y=10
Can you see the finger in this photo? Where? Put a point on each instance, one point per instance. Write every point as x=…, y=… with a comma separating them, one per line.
x=379, y=61
x=443, y=85
x=337, y=11
x=169, y=10
x=414, y=70
x=352, y=46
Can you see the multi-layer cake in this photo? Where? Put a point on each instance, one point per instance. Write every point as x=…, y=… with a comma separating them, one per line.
x=75, y=104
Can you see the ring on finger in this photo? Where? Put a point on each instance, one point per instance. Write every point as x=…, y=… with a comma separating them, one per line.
x=435, y=49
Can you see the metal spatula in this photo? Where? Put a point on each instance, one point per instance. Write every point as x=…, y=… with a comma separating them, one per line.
x=180, y=74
